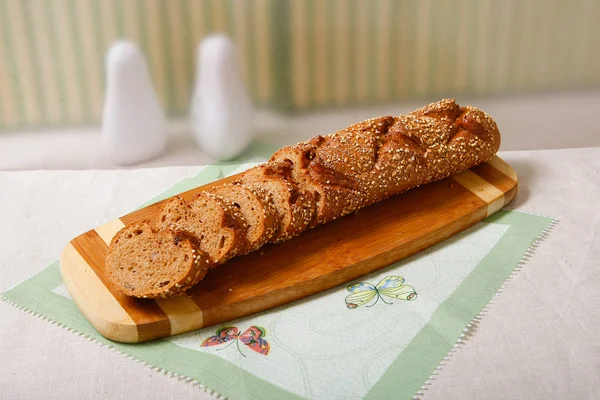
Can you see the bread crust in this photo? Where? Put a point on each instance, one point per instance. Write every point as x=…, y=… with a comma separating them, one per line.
x=326, y=177
x=295, y=208
x=131, y=269
x=254, y=205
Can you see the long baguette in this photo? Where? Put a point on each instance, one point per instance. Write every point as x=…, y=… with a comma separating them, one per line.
x=384, y=156
x=327, y=177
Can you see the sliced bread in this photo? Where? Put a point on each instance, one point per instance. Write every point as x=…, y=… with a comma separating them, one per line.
x=143, y=262
x=332, y=199
x=295, y=209
x=219, y=228
x=256, y=207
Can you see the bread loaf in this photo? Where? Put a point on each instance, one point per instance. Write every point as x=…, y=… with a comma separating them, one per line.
x=385, y=156
x=327, y=177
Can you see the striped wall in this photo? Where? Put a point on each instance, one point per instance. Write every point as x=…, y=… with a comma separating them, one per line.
x=298, y=54
x=362, y=51
x=52, y=52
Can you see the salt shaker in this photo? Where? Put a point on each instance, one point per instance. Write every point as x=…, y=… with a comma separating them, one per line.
x=221, y=109
x=133, y=122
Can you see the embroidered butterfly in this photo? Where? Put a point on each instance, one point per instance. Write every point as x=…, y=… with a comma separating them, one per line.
x=362, y=293
x=252, y=337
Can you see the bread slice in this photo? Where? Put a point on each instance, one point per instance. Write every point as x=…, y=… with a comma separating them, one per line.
x=256, y=207
x=219, y=228
x=295, y=209
x=332, y=198
x=143, y=262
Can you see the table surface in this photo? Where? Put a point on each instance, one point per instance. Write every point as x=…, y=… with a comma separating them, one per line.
x=539, y=338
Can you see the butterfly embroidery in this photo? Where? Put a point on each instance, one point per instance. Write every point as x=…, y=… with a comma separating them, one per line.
x=252, y=337
x=362, y=293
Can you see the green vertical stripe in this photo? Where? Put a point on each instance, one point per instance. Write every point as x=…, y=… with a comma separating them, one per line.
x=143, y=26
x=118, y=6
x=491, y=25
x=165, y=27
x=449, y=60
x=594, y=64
x=396, y=50
x=207, y=17
x=434, y=46
x=374, y=29
x=309, y=64
x=410, y=81
x=188, y=52
x=280, y=28
x=144, y=42
x=251, y=58
x=513, y=40
x=57, y=61
x=98, y=35
x=593, y=55
x=188, y=18
x=81, y=75
x=34, y=58
x=515, y=54
x=12, y=61
x=235, y=32
x=590, y=64
x=493, y=35
x=231, y=25
x=566, y=76
x=473, y=41
x=353, y=92
x=531, y=72
x=331, y=75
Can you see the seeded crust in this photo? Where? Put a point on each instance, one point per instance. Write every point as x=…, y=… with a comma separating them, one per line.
x=385, y=156
x=257, y=209
x=331, y=201
x=143, y=262
x=218, y=227
x=295, y=209
x=330, y=176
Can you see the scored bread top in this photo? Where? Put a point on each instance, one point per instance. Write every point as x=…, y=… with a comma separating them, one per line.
x=331, y=200
x=384, y=156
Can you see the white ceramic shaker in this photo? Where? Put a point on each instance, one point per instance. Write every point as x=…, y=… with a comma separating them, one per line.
x=221, y=110
x=133, y=122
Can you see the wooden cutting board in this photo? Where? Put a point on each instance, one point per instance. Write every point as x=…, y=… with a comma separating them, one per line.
x=319, y=259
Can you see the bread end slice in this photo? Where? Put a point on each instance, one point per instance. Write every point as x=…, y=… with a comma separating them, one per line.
x=146, y=263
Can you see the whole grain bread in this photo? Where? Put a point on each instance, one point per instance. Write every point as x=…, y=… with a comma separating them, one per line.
x=219, y=228
x=143, y=262
x=385, y=156
x=331, y=201
x=295, y=209
x=257, y=209
x=329, y=176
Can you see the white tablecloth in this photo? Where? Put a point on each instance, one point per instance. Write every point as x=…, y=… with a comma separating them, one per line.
x=539, y=338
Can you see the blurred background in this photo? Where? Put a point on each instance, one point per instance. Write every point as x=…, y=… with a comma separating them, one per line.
x=311, y=67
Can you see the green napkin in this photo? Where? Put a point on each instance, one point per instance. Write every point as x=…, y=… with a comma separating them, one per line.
x=379, y=337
